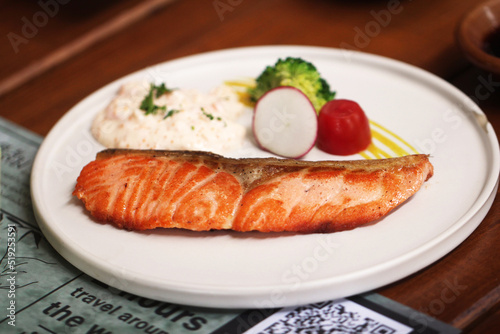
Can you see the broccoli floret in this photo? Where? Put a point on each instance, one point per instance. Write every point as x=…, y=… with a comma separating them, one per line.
x=297, y=73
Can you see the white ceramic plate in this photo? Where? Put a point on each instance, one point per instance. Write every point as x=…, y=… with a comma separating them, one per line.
x=252, y=270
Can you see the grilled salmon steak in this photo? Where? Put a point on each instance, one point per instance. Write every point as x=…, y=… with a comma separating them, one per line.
x=139, y=190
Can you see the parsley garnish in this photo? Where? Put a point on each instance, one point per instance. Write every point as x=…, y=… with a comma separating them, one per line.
x=162, y=89
x=147, y=103
x=171, y=112
x=210, y=116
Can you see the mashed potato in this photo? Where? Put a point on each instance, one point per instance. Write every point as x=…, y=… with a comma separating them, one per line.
x=185, y=120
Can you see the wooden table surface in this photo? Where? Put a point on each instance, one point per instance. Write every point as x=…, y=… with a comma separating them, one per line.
x=54, y=55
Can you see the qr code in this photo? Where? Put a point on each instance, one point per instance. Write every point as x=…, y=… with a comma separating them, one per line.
x=327, y=318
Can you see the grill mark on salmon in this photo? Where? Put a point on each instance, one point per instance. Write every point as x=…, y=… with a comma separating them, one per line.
x=150, y=200
x=174, y=176
x=139, y=190
x=135, y=188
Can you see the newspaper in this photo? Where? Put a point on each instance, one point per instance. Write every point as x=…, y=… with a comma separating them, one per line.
x=40, y=292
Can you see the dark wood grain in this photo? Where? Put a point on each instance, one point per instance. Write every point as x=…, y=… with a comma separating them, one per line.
x=74, y=44
x=462, y=288
x=31, y=31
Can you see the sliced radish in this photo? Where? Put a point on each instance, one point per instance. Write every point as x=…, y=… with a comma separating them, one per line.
x=285, y=122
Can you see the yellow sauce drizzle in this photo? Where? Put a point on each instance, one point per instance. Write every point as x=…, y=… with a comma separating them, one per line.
x=241, y=87
x=375, y=151
x=389, y=143
x=245, y=83
x=395, y=136
x=387, y=139
x=380, y=134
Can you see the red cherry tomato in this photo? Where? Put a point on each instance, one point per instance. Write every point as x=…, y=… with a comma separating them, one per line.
x=343, y=128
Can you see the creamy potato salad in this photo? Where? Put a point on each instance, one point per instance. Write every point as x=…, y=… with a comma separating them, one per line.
x=147, y=116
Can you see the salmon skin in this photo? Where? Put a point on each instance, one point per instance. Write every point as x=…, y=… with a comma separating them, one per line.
x=200, y=191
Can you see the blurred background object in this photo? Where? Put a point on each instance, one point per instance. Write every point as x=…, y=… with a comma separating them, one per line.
x=41, y=35
x=478, y=35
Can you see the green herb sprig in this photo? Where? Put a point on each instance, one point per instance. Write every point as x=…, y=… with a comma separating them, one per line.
x=210, y=116
x=147, y=103
x=171, y=113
